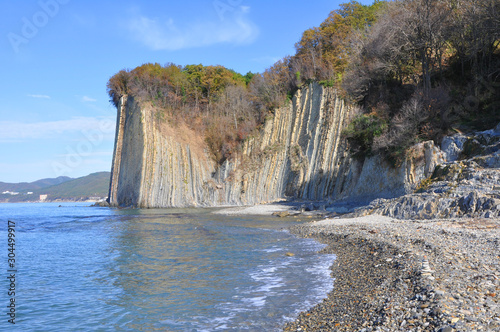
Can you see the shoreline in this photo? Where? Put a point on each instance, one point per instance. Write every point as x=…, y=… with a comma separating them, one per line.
x=403, y=275
x=57, y=201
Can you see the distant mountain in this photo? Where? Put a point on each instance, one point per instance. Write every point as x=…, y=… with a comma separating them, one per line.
x=31, y=186
x=90, y=186
x=93, y=185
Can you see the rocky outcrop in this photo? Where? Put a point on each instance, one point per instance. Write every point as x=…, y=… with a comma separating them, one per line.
x=299, y=153
x=469, y=187
x=126, y=169
x=375, y=178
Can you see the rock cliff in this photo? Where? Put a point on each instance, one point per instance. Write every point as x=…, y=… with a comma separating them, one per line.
x=298, y=153
x=466, y=184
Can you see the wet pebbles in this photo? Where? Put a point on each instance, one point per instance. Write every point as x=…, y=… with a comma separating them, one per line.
x=393, y=275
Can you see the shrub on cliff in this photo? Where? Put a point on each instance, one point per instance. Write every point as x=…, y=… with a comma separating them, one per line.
x=362, y=131
x=213, y=100
x=416, y=68
x=428, y=65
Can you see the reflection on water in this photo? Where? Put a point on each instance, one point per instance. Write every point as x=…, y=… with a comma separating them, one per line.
x=93, y=268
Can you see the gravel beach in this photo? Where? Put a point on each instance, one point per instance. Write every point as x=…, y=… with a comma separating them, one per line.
x=394, y=275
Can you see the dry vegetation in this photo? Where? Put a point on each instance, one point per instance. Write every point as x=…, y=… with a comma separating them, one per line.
x=425, y=67
x=416, y=68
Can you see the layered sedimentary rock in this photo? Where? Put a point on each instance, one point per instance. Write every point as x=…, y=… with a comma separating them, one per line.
x=154, y=164
x=374, y=177
x=299, y=153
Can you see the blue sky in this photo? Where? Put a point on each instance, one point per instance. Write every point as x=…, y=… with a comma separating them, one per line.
x=57, y=55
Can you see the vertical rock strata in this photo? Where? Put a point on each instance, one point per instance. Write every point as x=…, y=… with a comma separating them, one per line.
x=298, y=153
x=126, y=171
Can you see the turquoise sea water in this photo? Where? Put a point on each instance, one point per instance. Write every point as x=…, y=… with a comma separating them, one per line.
x=81, y=268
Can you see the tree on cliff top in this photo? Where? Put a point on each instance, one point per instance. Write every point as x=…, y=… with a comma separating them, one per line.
x=414, y=66
x=419, y=66
x=213, y=100
x=324, y=52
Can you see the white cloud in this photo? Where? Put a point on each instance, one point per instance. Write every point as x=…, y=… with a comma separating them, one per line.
x=87, y=99
x=15, y=131
x=159, y=34
x=39, y=96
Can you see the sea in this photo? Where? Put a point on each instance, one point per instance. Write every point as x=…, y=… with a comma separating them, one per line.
x=73, y=267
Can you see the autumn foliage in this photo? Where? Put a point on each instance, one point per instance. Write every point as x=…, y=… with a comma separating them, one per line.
x=415, y=68
x=425, y=67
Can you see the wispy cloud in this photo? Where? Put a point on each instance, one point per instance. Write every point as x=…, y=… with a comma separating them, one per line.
x=87, y=99
x=17, y=131
x=39, y=96
x=161, y=34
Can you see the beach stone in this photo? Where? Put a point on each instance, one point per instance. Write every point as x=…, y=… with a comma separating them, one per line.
x=372, y=292
x=452, y=146
x=282, y=214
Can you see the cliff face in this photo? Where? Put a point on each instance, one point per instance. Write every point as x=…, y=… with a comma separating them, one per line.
x=155, y=165
x=126, y=170
x=298, y=153
x=374, y=178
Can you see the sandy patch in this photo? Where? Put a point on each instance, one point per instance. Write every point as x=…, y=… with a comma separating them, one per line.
x=365, y=220
x=262, y=210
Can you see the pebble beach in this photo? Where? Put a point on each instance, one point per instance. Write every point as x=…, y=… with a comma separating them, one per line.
x=401, y=275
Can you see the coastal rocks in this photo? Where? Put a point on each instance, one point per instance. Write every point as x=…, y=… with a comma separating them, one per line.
x=300, y=153
x=489, y=161
x=452, y=146
x=281, y=214
x=462, y=188
x=101, y=204
x=431, y=206
x=376, y=178
x=469, y=203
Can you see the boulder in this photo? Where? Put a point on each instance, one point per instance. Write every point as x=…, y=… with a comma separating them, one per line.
x=452, y=146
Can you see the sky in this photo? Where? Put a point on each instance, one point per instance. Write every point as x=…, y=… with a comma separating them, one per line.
x=57, y=56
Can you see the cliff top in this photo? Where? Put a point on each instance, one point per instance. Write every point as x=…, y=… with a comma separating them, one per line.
x=417, y=70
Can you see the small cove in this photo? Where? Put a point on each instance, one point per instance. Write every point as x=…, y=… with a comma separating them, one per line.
x=84, y=268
